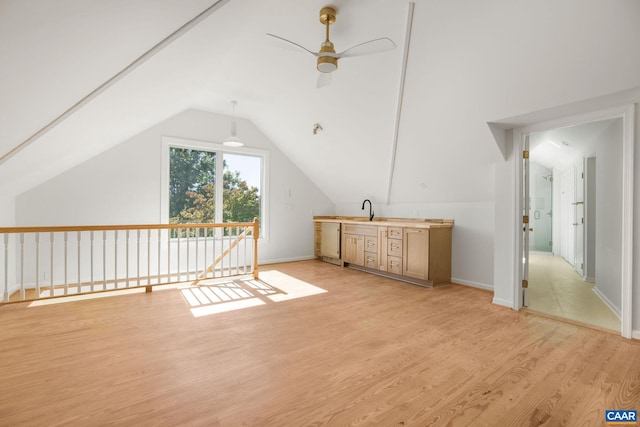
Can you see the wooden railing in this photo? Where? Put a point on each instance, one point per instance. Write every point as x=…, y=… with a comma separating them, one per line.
x=46, y=262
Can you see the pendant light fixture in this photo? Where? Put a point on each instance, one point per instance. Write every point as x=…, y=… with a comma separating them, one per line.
x=233, y=140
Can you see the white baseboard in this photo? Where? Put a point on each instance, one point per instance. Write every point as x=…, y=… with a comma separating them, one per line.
x=608, y=303
x=472, y=284
x=502, y=302
x=277, y=261
x=635, y=334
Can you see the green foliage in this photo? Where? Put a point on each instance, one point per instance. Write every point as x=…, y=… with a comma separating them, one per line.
x=190, y=172
x=192, y=190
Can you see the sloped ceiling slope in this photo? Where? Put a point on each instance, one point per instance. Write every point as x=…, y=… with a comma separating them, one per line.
x=227, y=56
x=469, y=63
x=55, y=53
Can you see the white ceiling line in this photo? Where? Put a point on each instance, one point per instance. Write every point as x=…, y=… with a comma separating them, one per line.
x=111, y=81
x=403, y=75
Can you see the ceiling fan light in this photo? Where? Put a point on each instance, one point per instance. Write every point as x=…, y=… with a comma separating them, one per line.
x=233, y=141
x=327, y=64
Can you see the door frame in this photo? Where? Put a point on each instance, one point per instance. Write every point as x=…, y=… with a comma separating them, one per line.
x=627, y=113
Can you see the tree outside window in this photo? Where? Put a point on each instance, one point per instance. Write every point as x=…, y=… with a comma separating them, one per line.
x=193, y=186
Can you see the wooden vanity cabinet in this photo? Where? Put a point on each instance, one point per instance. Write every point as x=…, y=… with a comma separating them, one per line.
x=360, y=245
x=397, y=249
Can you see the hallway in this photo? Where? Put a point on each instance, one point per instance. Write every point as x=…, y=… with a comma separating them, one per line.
x=556, y=289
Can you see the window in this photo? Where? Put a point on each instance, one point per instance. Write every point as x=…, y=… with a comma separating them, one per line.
x=210, y=183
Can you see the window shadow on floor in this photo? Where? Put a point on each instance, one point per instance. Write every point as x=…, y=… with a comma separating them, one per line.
x=213, y=296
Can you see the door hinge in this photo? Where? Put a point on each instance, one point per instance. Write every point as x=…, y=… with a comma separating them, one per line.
x=525, y=219
x=525, y=154
x=525, y=283
x=582, y=266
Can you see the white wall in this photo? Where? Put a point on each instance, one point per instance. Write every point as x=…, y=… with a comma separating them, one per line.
x=7, y=211
x=122, y=186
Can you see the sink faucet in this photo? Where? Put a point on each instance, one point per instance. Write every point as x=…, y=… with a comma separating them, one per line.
x=371, y=213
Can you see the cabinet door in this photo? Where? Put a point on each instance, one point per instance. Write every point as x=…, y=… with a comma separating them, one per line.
x=354, y=249
x=416, y=253
x=330, y=240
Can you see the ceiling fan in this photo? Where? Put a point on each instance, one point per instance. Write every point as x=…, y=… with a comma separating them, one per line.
x=327, y=61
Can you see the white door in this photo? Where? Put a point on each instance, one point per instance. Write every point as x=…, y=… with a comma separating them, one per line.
x=579, y=220
x=567, y=216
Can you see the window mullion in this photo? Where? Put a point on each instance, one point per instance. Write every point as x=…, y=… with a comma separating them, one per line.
x=219, y=187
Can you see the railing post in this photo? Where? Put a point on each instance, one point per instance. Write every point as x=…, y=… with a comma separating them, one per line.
x=6, y=267
x=256, y=234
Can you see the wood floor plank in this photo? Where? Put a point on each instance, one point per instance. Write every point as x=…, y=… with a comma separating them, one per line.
x=368, y=351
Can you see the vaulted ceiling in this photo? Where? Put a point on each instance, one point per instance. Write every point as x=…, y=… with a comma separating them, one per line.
x=468, y=63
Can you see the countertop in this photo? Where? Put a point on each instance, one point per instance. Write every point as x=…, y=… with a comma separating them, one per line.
x=389, y=222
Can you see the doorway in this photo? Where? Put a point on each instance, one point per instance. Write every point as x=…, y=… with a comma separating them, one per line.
x=568, y=273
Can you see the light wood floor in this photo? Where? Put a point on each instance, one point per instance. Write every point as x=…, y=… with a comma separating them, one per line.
x=556, y=289
x=368, y=351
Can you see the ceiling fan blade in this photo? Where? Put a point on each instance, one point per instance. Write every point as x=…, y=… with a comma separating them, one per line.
x=368, y=48
x=293, y=43
x=324, y=79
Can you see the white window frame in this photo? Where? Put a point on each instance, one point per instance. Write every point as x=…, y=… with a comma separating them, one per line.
x=169, y=141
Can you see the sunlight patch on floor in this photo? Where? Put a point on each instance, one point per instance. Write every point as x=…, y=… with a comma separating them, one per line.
x=221, y=295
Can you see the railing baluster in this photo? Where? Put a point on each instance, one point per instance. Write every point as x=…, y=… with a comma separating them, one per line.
x=188, y=244
x=159, y=252
x=222, y=240
x=213, y=255
x=138, y=258
x=206, y=231
x=148, y=257
x=37, y=265
x=104, y=260
x=168, y=255
x=91, y=259
x=51, y=241
x=237, y=254
x=244, y=255
x=127, y=258
x=197, y=230
x=178, y=272
x=115, y=261
x=66, y=283
x=79, y=277
x=6, y=267
x=22, y=266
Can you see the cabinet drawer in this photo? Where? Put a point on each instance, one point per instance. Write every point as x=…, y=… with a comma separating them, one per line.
x=394, y=247
x=371, y=244
x=395, y=233
x=364, y=230
x=370, y=260
x=394, y=264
